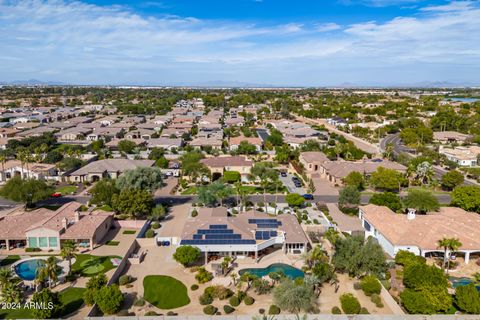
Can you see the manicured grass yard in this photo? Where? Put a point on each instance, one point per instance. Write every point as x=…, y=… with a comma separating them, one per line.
x=165, y=292
x=129, y=232
x=66, y=189
x=189, y=191
x=9, y=260
x=88, y=265
x=72, y=299
x=112, y=243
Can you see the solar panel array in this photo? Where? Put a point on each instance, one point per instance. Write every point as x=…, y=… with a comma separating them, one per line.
x=216, y=234
x=217, y=241
x=265, y=235
x=265, y=223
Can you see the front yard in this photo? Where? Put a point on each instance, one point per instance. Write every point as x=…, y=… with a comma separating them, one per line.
x=165, y=292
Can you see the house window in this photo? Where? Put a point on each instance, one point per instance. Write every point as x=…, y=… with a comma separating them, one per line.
x=366, y=225
x=32, y=242
x=52, y=242
x=42, y=242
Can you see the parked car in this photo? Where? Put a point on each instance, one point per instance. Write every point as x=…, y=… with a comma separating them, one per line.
x=308, y=196
x=56, y=195
x=283, y=174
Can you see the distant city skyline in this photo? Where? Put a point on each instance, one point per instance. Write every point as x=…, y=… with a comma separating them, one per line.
x=257, y=42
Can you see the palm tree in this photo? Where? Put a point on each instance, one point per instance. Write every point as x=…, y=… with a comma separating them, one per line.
x=48, y=271
x=264, y=183
x=276, y=183
x=6, y=277
x=11, y=293
x=3, y=159
x=449, y=245
x=240, y=193
x=68, y=252
x=234, y=277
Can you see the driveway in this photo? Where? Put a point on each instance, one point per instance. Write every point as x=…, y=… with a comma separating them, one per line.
x=288, y=183
x=323, y=187
x=167, y=189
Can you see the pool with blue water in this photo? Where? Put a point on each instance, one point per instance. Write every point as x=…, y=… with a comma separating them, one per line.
x=458, y=282
x=286, y=269
x=27, y=270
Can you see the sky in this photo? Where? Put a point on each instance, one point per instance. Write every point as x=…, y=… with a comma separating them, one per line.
x=257, y=42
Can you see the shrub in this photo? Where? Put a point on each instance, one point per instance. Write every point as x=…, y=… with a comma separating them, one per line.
x=273, y=310
x=156, y=225
x=124, y=313
x=210, y=310
x=151, y=314
x=370, y=285
x=228, y=309
x=386, y=284
x=171, y=313
x=139, y=302
x=357, y=286
x=261, y=311
x=203, y=275
x=205, y=299
x=109, y=299
x=336, y=310
x=150, y=233
x=194, y=287
x=32, y=250
x=234, y=301
x=350, y=304
x=377, y=300
x=194, y=213
x=248, y=300
x=364, y=311
x=124, y=279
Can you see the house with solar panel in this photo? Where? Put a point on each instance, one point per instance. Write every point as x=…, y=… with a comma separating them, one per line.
x=250, y=234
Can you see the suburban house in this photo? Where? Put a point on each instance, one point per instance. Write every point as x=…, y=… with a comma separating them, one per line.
x=165, y=143
x=46, y=229
x=451, y=137
x=206, y=142
x=463, y=156
x=312, y=161
x=107, y=168
x=419, y=233
x=250, y=234
x=73, y=134
x=218, y=165
x=33, y=170
x=234, y=142
x=144, y=134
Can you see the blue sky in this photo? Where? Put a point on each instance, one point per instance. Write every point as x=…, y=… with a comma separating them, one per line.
x=269, y=42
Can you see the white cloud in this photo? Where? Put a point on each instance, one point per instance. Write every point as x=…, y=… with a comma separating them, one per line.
x=103, y=44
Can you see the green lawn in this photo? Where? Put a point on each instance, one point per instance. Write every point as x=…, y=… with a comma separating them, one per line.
x=129, y=232
x=72, y=299
x=165, y=292
x=432, y=190
x=88, y=265
x=66, y=189
x=112, y=243
x=9, y=260
x=189, y=191
x=105, y=207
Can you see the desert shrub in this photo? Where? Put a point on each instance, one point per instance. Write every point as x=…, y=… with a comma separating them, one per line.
x=151, y=314
x=124, y=313
x=357, y=286
x=377, y=300
x=336, y=310
x=139, y=302
x=219, y=292
x=370, y=285
x=150, y=233
x=194, y=287
x=261, y=311
x=273, y=310
x=248, y=300
x=172, y=313
x=386, y=284
x=205, y=299
x=156, y=225
x=228, y=309
x=234, y=301
x=32, y=250
x=203, y=275
x=350, y=304
x=124, y=279
x=194, y=213
x=210, y=310
x=364, y=311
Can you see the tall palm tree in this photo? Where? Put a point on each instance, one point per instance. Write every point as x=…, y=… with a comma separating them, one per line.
x=68, y=252
x=11, y=293
x=48, y=271
x=3, y=159
x=6, y=277
x=240, y=193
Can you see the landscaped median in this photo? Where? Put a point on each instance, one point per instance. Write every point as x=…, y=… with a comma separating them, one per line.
x=165, y=292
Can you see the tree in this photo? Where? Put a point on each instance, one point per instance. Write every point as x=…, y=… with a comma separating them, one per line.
x=424, y=172
x=358, y=257
x=214, y=192
x=68, y=252
x=388, y=199
x=70, y=163
x=370, y=285
x=246, y=148
x=186, y=255
x=355, y=179
x=350, y=304
x=49, y=299
x=467, y=198
x=109, y=299
x=452, y=179
x=49, y=271
x=294, y=297
x=158, y=212
x=156, y=153
x=126, y=146
x=386, y=179
x=349, y=196
x=94, y=284
x=275, y=138
x=11, y=293
x=28, y=191
x=467, y=298
x=421, y=200
x=449, y=245
x=53, y=156
x=102, y=192
x=191, y=165
x=231, y=176
x=294, y=199
x=133, y=202
x=143, y=178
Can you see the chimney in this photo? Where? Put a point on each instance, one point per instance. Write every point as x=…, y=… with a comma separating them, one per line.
x=411, y=214
x=65, y=223
x=76, y=216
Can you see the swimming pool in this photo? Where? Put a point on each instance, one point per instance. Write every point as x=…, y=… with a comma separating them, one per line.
x=289, y=271
x=27, y=270
x=458, y=282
